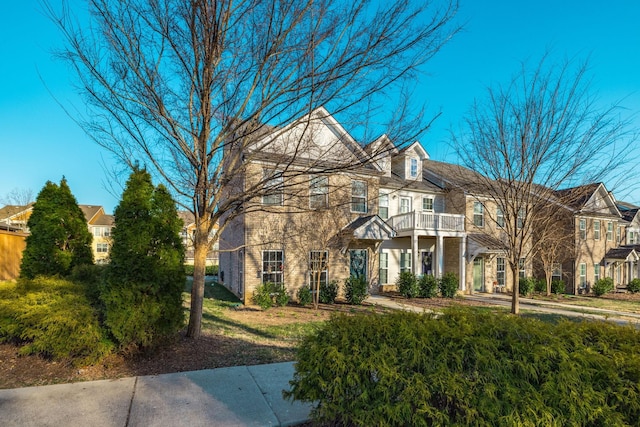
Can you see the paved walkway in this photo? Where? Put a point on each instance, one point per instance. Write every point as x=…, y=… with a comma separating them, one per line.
x=237, y=396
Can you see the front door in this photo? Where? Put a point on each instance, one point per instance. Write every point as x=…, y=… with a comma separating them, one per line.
x=478, y=274
x=358, y=263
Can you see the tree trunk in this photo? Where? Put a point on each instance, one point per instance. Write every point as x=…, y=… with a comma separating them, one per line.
x=200, y=247
x=515, y=299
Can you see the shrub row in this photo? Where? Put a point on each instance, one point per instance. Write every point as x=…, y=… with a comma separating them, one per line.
x=527, y=285
x=427, y=286
x=211, y=270
x=52, y=317
x=468, y=367
x=268, y=295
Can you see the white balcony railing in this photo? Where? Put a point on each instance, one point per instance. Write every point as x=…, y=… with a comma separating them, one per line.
x=426, y=221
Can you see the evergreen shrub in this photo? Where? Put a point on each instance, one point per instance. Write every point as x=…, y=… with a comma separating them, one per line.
x=526, y=285
x=428, y=286
x=448, y=285
x=540, y=286
x=468, y=367
x=407, y=284
x=52, y=317
x=634, y=286
x=305, y=297
x=603, y=286
x=356, y=290
x=270, y=294
x=558, y=287
x=328, y=292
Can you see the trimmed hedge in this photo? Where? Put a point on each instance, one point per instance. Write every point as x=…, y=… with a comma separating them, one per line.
x=328, y=292
x=603, y=286
x=270, y=294
x=356, y=290
x=407, y=284
x=53, y=318
x=468, y=368
x=210, y=270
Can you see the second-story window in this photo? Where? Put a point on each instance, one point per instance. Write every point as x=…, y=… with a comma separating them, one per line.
x=521, y=218
x=383, y=205
x=273, y=190
x=358, y=196
x=427, y=204
x=318, y=192
x=618, y=235
x=609, y=231
x=582, y=226
x=478, y=214
x=499, y=217
x=405, y=205
x=413, y=167
x=596, y=230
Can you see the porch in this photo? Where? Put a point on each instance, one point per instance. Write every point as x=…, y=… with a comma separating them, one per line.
x=430, y=223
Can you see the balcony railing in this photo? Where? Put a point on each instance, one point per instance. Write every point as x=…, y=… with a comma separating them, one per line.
x=426, y=221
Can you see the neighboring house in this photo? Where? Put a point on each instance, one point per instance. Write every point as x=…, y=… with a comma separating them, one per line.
x=186, y=234
x=100, y=225
x=15, y=217
x=598, y=248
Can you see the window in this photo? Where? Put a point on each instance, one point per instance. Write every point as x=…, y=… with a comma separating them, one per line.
x=582, y=226
x=101, y=231
x=272, y=266
x=609, y=231
x=631, y=237
x=383, y=206
x=414, y=168
x=405, y=261
x=102, y=248
x=583, y=275
x=596, y=272
x=521, y=217
x=427, y=204
x=272, y=187
x=499, y=217
x=405, y=205
x=478, y=214
x=318, y=192
x=522, y=262
x=384, y=267
x=556, y=274
x=618, y=234
x=358, y=196
x=500, y=271
x=318, y=262
x=596, y=230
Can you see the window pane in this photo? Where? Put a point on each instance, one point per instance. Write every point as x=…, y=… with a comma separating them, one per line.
x=359, y=196
x=383, y=205
x=318, y=192
x=427, y=204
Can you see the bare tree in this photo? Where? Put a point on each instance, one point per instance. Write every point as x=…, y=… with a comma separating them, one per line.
x=18, y=197
x=178, y=84
x=542, y=131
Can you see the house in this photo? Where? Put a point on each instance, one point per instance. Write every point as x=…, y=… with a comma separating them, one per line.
x=599, y=231
x=100, y=225
x=186, y=234
x=13, y=232
x=15, y=217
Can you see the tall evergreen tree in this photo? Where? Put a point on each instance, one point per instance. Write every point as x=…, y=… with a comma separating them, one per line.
x=142, y=293
x=59, y=238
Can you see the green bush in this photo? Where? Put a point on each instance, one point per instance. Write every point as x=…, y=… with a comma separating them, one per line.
x=540, y=286
x=603, y=286
x=558, y=287
x=448, y=285
x=468, y=367
x=526, y=285
x=305, y=297
x=53, y=318
x=270, y=294
x=634, y=286
x=328, y=292
x=407, y=284
x=210, y=270
x=356, y=290
x=428, y=286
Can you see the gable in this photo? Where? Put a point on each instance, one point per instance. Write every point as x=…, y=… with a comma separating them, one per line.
x=601, y=202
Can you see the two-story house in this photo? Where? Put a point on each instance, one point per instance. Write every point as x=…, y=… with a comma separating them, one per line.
x=100, y=225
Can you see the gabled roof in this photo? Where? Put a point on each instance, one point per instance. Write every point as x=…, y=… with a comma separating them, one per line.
x=370, y=227
x=448, y=175
x=418, y=148
x=91, y=212
x=397, y=183
x=9, y=211
x=481, y=243
x=590, y=198
x=621, y=254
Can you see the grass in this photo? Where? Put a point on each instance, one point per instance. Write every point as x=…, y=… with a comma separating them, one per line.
x=593, y=302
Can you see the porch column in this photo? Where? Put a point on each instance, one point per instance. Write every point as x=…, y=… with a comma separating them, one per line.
x=439, y=256
x=463, y=263
x=415, y=262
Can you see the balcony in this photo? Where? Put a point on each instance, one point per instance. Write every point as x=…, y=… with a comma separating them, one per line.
x=427, y=221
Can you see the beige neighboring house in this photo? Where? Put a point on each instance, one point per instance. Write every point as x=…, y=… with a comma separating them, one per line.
x=188, y=229
x=100, y=225
x=13, y=232
x=15, y=217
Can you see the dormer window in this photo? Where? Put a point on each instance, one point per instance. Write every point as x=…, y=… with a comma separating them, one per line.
x=413, y=167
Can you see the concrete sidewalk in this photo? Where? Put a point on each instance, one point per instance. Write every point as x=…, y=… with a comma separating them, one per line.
x=236, y=396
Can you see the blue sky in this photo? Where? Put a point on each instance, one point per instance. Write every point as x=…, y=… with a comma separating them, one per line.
x=39, y=142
